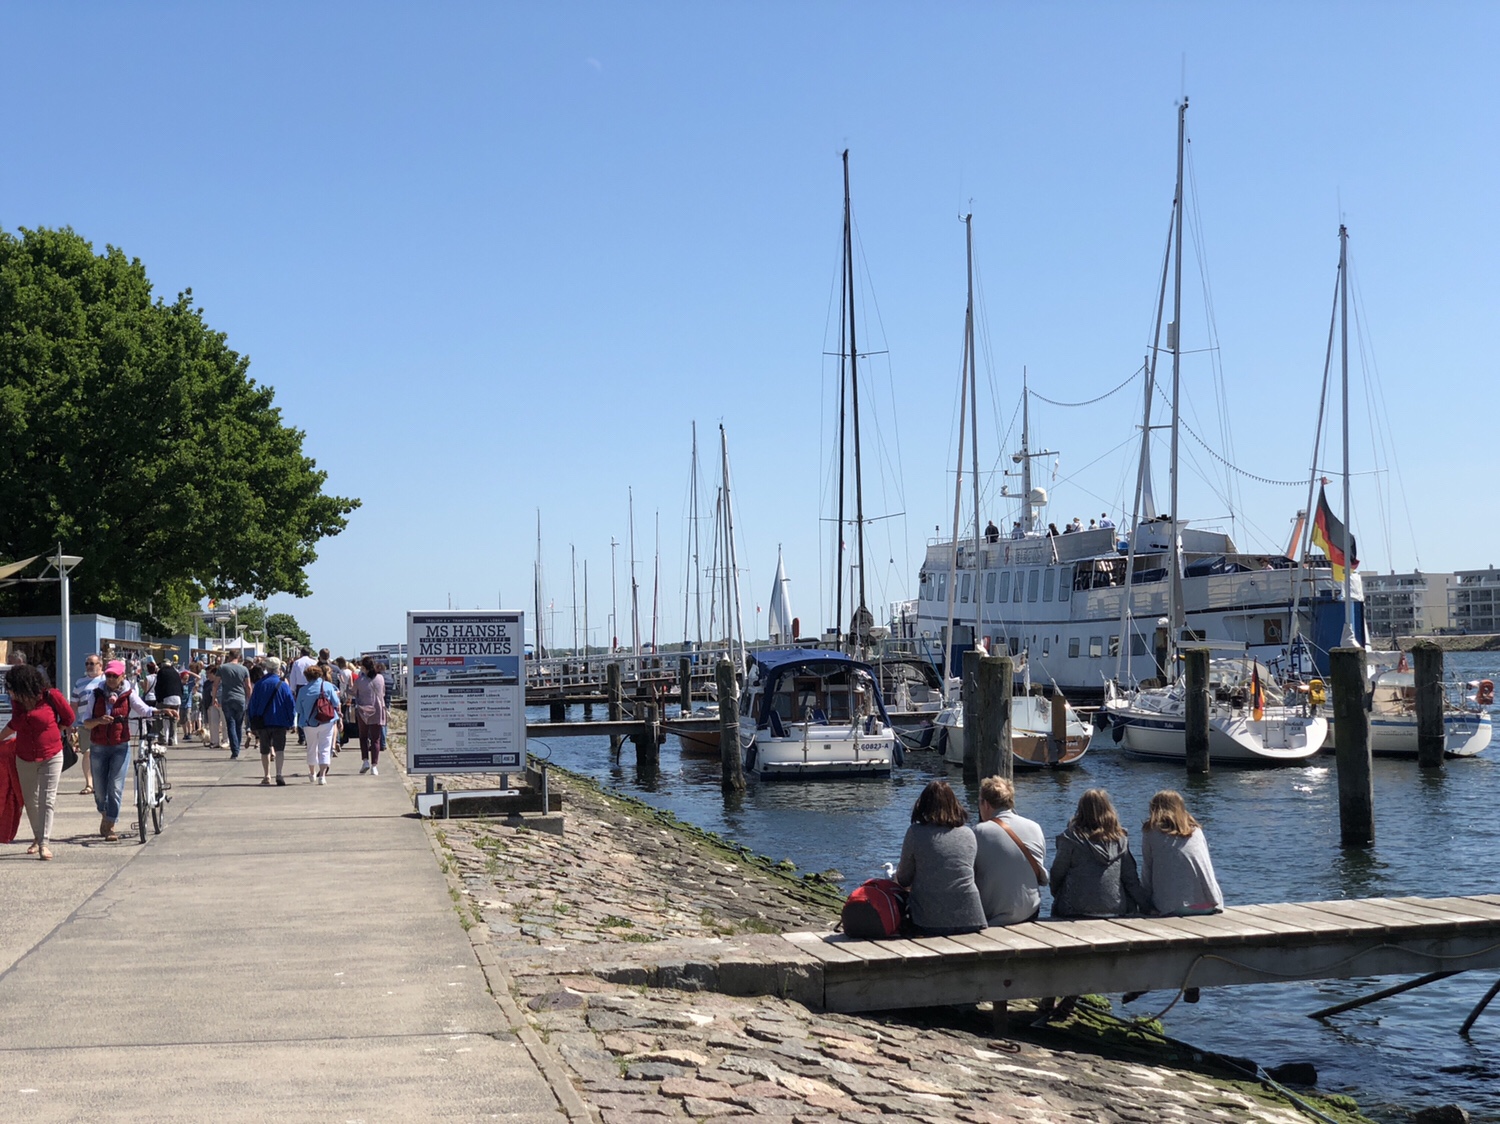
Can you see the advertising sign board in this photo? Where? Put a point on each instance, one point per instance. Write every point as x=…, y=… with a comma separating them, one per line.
x=466, y=708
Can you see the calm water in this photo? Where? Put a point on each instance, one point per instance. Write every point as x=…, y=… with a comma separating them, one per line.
x=1274, y=837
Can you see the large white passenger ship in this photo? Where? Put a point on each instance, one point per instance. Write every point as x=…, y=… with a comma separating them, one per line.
x=1059, y=600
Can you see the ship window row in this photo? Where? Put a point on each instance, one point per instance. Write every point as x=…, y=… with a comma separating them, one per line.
x=1014, y=586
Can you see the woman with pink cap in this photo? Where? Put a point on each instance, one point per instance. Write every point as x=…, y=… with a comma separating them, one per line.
x=110, y=711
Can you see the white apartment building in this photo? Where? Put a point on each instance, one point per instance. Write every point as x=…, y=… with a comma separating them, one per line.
x=1408, y=604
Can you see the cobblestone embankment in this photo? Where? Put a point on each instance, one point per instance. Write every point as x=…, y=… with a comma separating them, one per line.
x=603, y=939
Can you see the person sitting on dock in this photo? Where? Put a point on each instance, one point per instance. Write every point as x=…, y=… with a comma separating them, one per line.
x=1176, y=872
x=937, y=865
x=1011, y=865
x=1094, y=874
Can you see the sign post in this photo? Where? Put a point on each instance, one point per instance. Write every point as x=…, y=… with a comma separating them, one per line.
x=466, y=701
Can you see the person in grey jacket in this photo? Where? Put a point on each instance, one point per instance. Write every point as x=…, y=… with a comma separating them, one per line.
x=1176, y=872
x=937, y=865
x=1094, y=873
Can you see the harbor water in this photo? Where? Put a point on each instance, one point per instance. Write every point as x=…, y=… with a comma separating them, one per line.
x=1274, y=836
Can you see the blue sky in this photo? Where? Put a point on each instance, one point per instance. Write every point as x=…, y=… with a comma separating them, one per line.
x=497, y=258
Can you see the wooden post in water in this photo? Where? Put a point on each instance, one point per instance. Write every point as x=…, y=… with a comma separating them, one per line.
x=1057, y=747
x=731, y=767
x=988, y=730
x=614, y=692
x=969, y=693
x=685, y=685
x=559, y=711
x=648, y=741
x=1346, y=668
x=1427, y=666
x=1196, y=672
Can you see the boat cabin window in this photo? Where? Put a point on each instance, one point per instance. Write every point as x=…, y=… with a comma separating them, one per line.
x=1096, y=647
x=1004, y=576
x=1015, y=645
x=964, y=594
x=1072, y=647
x=1064, y=583
x=1046, y=645
x=989, y=586
x=942, y=592
x=1137, y=644
x=1049, y=586
x=1033, y=584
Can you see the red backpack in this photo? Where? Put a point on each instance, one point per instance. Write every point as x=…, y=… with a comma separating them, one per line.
x=875, y=909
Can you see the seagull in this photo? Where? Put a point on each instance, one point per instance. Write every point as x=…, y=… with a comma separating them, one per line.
x=890, y=869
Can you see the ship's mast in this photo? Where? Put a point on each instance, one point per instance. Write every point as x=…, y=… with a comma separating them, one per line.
x=1174, y=340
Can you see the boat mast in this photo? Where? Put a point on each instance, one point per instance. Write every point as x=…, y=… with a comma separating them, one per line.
x=973, y=374
x=1348, y=640
x=585, y=620
x=614, y=599
x=958, y=481
x=656, y=587
x=693, y=588
x=846, y=287
x=573, y=555
x=861, y=612
x=635, y=589
x=731, y=577
x=1174, y=340
x=536, y=590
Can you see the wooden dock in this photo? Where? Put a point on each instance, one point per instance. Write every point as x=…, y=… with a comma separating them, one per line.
x=1253, y=944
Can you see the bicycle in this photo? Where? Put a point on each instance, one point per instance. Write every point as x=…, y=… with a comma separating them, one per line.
x=151, y=784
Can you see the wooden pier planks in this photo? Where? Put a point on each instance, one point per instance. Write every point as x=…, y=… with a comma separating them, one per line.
x=1242, y=945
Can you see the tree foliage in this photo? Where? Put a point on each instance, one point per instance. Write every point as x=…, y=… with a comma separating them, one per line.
x=131, y=433
x=284, y=624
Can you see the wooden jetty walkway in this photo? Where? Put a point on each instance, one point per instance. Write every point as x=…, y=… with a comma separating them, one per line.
x=1253, y=944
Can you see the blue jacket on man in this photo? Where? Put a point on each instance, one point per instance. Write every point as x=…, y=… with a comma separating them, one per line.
x=271, y=701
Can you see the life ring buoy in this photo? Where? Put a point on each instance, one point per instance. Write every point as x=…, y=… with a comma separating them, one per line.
x=1485, y=696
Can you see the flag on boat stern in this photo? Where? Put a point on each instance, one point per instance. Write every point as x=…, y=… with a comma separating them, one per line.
x=1257, y=695
x=1328, y=536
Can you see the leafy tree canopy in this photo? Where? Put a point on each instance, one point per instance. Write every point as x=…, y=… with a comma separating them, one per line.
x=131, y=433
x=284, y=624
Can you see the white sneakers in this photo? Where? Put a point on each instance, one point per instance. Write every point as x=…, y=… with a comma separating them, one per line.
x=374, y=770
x=364, y=766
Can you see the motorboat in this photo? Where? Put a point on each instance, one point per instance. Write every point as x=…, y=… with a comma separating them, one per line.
x=807, y=713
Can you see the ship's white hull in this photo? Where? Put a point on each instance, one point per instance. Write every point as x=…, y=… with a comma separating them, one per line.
x=812, y=750
x=1281, y=737
x=1464, y=735
x=1030, y=734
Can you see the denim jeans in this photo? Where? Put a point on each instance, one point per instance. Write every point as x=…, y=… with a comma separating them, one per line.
x=234, y=722
x=110, y=763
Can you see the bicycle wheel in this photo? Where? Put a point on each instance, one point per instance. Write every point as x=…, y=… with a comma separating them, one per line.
x=142, y=808
x=159, y=799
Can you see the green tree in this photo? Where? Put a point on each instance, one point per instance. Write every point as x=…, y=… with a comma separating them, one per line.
x=131, y=433
x=284, y=624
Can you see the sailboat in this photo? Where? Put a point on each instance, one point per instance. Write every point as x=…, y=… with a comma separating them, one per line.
x=1467, y=726
x=807, y=713
x=1032, y=745
x=1249, y=723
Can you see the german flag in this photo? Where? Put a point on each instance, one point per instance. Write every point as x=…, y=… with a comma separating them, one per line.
x=1328, y=536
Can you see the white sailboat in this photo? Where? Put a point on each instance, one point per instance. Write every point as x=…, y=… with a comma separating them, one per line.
x=807, y=713
x=1032, y=744
x=1248, y=722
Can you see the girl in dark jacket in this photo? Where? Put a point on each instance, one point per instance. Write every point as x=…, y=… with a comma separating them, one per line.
x=1094, y=873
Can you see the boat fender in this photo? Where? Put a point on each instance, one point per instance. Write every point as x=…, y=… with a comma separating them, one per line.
x=1486, y=693
x=1118, y=733
x=750, y=759
x=1317, y=694
x=898, y=754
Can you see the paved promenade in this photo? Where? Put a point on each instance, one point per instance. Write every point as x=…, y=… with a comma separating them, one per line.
x=275, y=954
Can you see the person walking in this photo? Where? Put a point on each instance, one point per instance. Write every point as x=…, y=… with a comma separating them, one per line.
x=213, y=725
x=296, y=678
x=169, y=695
x=114, y=704
x=1010, y=867
x=369, y=711
x=272, y=711
x=83, y=695
x=192, y=675
x=234, y=694
x=318, y=718
x=39, y=715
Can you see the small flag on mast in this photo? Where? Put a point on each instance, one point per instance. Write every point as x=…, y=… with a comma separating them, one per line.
x=1328, y=536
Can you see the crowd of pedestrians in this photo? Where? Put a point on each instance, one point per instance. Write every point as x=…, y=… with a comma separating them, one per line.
x=327, y=702
x=961, y=879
